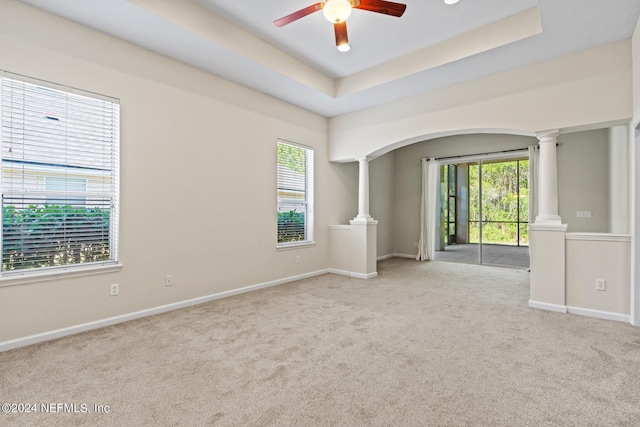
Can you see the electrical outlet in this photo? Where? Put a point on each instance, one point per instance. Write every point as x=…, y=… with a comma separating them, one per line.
x=115, y=289
x=601, y=285
x=298, y=259
x=168, y=280
x=583, y=214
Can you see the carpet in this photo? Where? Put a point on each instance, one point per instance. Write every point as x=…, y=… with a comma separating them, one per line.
x=424, y=343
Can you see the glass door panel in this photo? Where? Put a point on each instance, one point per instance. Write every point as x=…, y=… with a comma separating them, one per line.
x=502, y=210
x=454, y=210
x=472, y=242
x=523, y=206
x=452, y=191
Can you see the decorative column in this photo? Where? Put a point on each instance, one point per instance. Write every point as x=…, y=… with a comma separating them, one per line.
x=548, y=175
x=547, y=234
x=363, y=230
x=618, y=179
x=363, y=189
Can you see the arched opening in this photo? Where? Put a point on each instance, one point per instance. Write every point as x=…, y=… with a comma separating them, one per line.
x=396, y=189
x=583, y=176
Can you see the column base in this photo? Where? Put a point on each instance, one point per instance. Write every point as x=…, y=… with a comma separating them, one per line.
x=548, y=219
x=547, y=226
x=365, y=219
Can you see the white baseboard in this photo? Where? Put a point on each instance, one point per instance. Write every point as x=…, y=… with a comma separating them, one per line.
x=580, y=311
x=549, y=307
x=352, y=274
x=411, y=256
x=59, y=333
x=394, y=255
x=340, y=272
x=599, y=314
x=364, y=276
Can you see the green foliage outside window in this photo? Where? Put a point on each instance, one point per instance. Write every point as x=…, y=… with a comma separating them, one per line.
x=292, y=157
x=290, y=226
x=51, y=235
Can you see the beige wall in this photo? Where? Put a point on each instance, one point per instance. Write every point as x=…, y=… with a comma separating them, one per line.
x=198, y=177
x=345, y=190
x=592, y=86
x=340, y=249
x=382, y=200
x=593, y=257
x=583, y=180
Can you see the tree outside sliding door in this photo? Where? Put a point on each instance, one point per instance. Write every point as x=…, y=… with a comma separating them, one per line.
x=523, y=206
x=502, y=198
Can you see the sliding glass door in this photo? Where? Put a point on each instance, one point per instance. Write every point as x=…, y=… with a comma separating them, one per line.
x=484, y=212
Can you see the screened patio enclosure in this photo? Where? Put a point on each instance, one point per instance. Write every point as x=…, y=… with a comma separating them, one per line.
x=483, y=212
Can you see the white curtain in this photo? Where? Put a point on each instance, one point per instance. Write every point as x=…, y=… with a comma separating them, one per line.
x=428, y=205
x=534, y=156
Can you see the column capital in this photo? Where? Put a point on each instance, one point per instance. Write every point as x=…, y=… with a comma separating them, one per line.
x=548, y=135
x=364, y=159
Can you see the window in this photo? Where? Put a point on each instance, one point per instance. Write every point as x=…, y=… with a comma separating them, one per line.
x=59, y=176
x=57, y=184
x=295, y=194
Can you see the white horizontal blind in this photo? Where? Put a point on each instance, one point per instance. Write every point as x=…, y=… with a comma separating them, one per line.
x=295, y=194
x=59, y=177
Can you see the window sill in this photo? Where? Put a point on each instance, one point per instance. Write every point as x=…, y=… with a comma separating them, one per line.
x=295, y=245
x=23, y=278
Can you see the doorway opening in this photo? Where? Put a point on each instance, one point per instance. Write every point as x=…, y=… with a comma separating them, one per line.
x=484, y=212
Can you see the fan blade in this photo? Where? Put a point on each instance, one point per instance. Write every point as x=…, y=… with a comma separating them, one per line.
x=381, y=6
x=297, y=15
x=341, y=34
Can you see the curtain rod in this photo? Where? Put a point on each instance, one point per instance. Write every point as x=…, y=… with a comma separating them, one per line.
x=485, y=154
x=477, y=154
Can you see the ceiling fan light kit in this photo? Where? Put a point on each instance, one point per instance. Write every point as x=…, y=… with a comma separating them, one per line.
x=342, y=41
x=337, y=12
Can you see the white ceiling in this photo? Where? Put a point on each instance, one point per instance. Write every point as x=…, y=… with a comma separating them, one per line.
x=431, y=46
x=374, y=38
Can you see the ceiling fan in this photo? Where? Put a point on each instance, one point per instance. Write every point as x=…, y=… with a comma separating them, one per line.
x=337, y=12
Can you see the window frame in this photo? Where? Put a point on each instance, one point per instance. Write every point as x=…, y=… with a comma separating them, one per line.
x=38, y=274
x=309, y=196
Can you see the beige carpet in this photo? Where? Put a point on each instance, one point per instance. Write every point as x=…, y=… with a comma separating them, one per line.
x=423, y=344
